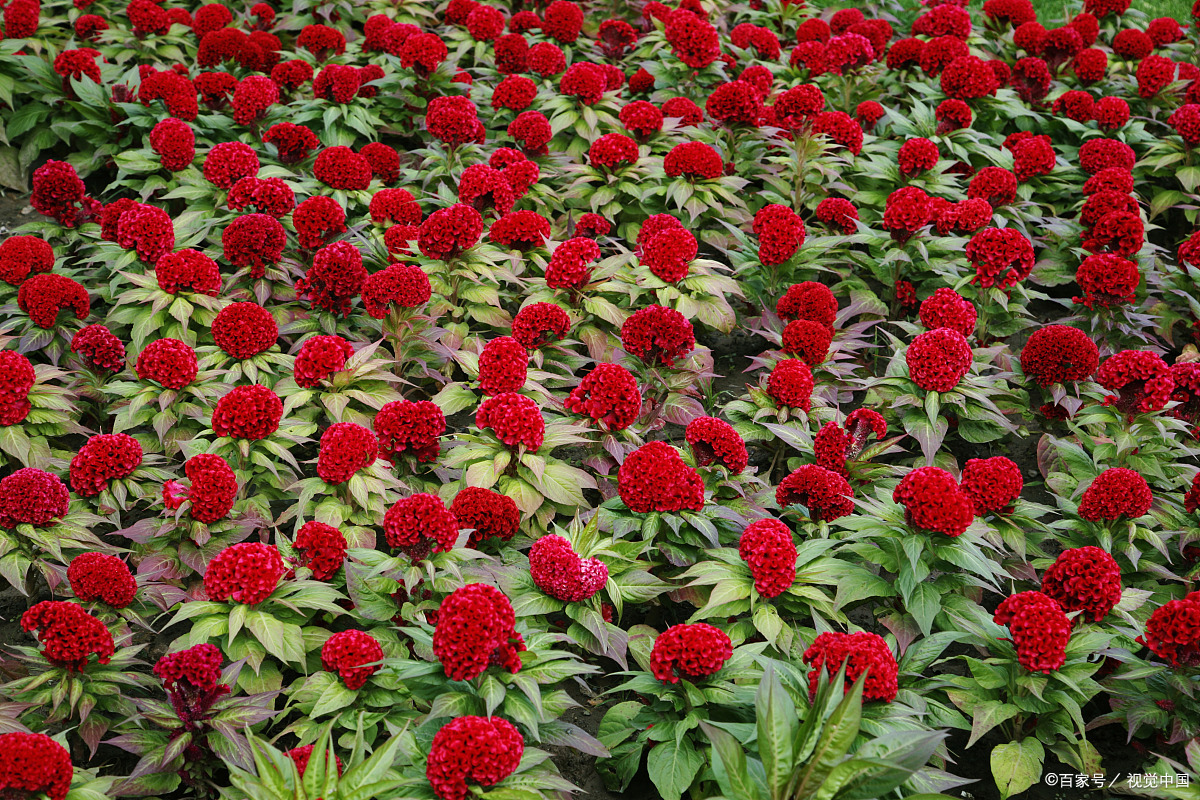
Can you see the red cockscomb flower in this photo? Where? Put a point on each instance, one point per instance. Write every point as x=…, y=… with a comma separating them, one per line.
x=780, y=233
x=515, y=419
x=400, y=285
x=1173, y=632
x=1116, y=493
x=767, y=547
x=345, y=449
x=937, y=360
x=32, y=497
x=503, y=366
x=489, y=515
x=1002, y=257
x=292, y=142
x=248, y=412
x=1106, y=280
x=791, y=384
x=608, y=394
x=826, y=494
x=403, y=426
x=336, y=277
x=692, y=651
x=859, y=653
x=96, y=576
x=1084, y=579
x=244, y=573
x=244, y=330
x=168, y=362
x=228, y=162
x=558, y=570
x=446, y=233
x=693, y=40
x=22, y=255
x=321, y=548
x=992, y=484
x=43, y=296
x=484, y=750
x=175, y=143
x=453, y=121
x=475, y=630
x=1057, y=354
x=933, y=501
x=1040, y=630
x=695, y=160
x=946, y=308
x=354, y=655
x=658, y=335
x=99, y=348
x=655, y=478
x=808, y=301
x=836, y=212
x=342, y=168
x=256, y=240
x=1141, y=379
x=714, y=440
x=32, y=764
x=917, y=156
x=103, y=458
x=188, y=271
x=69, y=637
x=213, y=487
x=905, y=212
x=613, y=151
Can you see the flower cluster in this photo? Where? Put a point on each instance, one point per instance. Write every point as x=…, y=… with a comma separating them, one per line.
x=1173, y=631
x=859, y=653
x=213, y=488
x=31, y=496
x=403, y=426
x=103, y=458
x=475, y=630
x=714, y=440
x=608, y=394
x=937, y=360
x=558, y=570
x=354, y=655
x=248, y=412
x=503, y=366
x=33, y=764
x=188, y=271
x=767, y=547
x=1057, y=354
x=244, y=330
x=655, y=478
x=168, y=362
x=43, y=296
x=319, y=358
x=345, y=449
x=97, y=576
x=933, y=501
x=69, y=635
x=692, y=652
x=658, y=335
x=825, y=493
x=321, y=548
x=790, y=384
x=485, y=750
x=992, y=484
x=489, y=515
x=1141, y=379
x=1040, y=630
x=1084, y=579
x=417, y=524
x=244, y=573
x=1116, y=493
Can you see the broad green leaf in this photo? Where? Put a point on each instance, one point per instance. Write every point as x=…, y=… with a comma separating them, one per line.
x=1017, y=765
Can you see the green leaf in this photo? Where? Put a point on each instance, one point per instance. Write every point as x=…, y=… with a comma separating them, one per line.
x=776, y=732
x=334, y=697
x=924, y=605
x=729, y=765
x=986, y=715
x=673, y=766
x=1017, y=765
x=836, y=738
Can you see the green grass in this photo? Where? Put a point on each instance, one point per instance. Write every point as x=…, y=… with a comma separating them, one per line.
x=1054, y=10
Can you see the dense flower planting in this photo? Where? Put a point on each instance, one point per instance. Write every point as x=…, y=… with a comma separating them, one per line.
x=392, y=379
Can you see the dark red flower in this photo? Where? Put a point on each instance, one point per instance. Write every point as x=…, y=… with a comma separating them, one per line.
x=683, y=109
x=946, y=308
x=400, y=285
x=99, y=348
x=32, y=764
x=503, y=366
x=354, y=655
x=558, y=570
x=1040, y=630
x=1032, y=156
x=96, y=576
x=475, y=630
x=693, y=40
x=489, y=515
x=1172, y=632
x=484, y=750
x=69, y=637
x=174, y=142
x=767, y=547
x=655, y=478
x=292, y=142
x=244, y=573
x=146, y=230
x=1154, y=74
x=545, y=59
x=1002, y=257
x=859, y=653
x=256, y=240
x=836, y=212
x=336, y=277
x=714, y=440
x=1084, y=579
x=248, y=412
x=658, y=335
x=780, y=233
x=21, y=255
x=516, y=92
x=403, y=426
x=213, y=488
x=1106, y=279
x=608, y=394
x=791, y=384
x=826, y=494
x=319, y=357
x=992, y=484
x=342, y=168
x=1100, y=153
x=58, y=192
x=937, y=360
x=168, y=362
x=453, y=121
x=515, y=419
x=345, y=449
x=229, y=161
x=532, y=131
x=447, y=232
x=520, y=230
x=933, y=501
x=244, y=330
x=905, y=212
x=32, y=497
x=1057, y=353
x=1141, y=379
x=103, y=458
x=692, y=651
x=1116, y=493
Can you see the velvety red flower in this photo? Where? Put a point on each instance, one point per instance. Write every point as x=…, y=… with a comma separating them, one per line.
x=937, y=360
x=1032, y=156
x=545, y=59
x=319, y=357
x=520, y=230
x=939, y=53
x=21, y=19
x=1117, y=232
x=484, y=750
x=146, y=230
x=1116, y=493
x=168, y=362
x=253, y=96
x=303, y=754
x=1084, y=579
x=558, y=570
x=354, y=655
x=17, y=377
x=1186, y=122
x=584, y=81
x=917, y=156
x=780, y=233
x=511, y=53
x=593, y=226
x=248, y=412
x=489, y=515
x=213, y=488
x=292, y=142
x=905, y=212
x=244, y=330
x=103, y=458
x=475, y=630
x=1075, y=105
x=834, y=445
x=227, y=162
x=515, y=419
x=96, y=576
x=692, y=652
x=345, y=449
x=735, y=103
x=694, y=160
x=321, y=548
x=1154, y=74
x=188, y=271
x=859, y=653
x=826, y=494
x=1002, y=257
x=400, y=285
x=1173, y=632
x=693, y=40
x=271, y=196
x=809, y=301
x=447, y=232
x=608, y=394
x=655, y=478
x=791, y=384
x=394, y=205
x=423, y=53
x=69, y=637
x=453, y=121
x=244, y=573
x=215, y=88
x=807, y=339
x=836, y=212
x=841, y=129
x=946, y=308
x=503, y=366
x=89, y=27
x=996, y=185
x=58, y=192
x=992, y=484
x=176, y=91
x=256, y=240
x=933, y=501
x=1100, y=153
x=683, y=109
x=1141, y=379
x=1040, y=630
x=175, y=143
x=99, y=348
x=336, y=277
x=1106, y=280
x=403, y=426
x=22, y=255
x=767, y=547
x=32, y=497
x=532, y=131
x=658, y=335
x=516, y=92
x=714, y=440
x=342, y=168
x=667, y=253
x=1057, y=353
x=484, y=188
x=32, y=764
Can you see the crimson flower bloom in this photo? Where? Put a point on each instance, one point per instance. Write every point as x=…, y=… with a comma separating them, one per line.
x=475, y=630
x=692, y=651
x=1040, y=630
x=485, y=750
x=859, y=653
x=558, y=570
x=933, y=501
